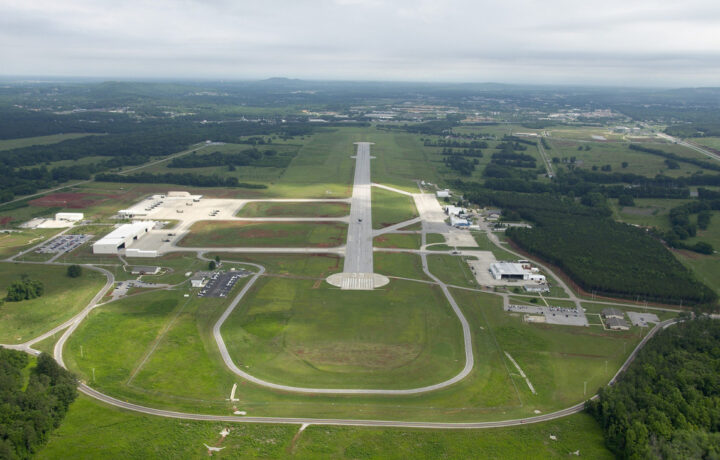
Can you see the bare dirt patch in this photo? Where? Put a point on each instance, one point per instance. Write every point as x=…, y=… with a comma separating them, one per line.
x=71, y=200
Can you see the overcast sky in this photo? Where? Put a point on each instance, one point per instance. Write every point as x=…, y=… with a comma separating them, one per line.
x=611, y=42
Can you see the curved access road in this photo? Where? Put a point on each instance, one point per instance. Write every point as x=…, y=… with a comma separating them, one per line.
x=365, y=422
x=469, y=358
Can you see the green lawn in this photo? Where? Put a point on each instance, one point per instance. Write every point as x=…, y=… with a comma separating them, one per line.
x=575, y=433
x=397, y=240
x=400, y=264
x=301, y=333
x=218, y=234
x=647, y=212
x=316, y=265
x=390, y=208
x=271, y=209
x=63, y=297
x=557, y=359
x=185, y=371
x=484, y=244
x=712, y=142
x=706, y=267
x=451, y=270
x=614, y=154
x=13, y=242
x=92, y=429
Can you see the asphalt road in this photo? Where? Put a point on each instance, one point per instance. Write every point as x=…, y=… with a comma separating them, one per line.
x=359, y=251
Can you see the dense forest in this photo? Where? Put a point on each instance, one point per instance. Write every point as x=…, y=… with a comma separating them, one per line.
x=599, y=254
x=191, y=179
x=248, y=157
x=31, y=407
x=123, y=141
x=666, y=405
x=612, y=258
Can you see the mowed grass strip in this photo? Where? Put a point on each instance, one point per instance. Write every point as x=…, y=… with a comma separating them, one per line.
x=451, y=270
x=114, y=338
x=300, y=333
x=558, y=360
x=390, y=208
x=401, y=264
x=124, y=434
x=317, y=209
x=308, y=265
x=398, y=241
x=219, y=234
x=63, y=297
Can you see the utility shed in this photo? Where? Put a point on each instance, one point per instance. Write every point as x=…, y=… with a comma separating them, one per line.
x=198, y=280
x=144, y=270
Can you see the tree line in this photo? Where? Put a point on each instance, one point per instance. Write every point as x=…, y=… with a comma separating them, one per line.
x=31, y=408
x=190, y=179
x=666, y=404
x=598, y=253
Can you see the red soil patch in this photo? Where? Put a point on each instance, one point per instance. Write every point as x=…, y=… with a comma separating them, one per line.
x=5, y=220
x=70, y=200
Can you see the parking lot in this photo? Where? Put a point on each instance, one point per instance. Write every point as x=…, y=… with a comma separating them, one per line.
x=221, y=283
x=63, y=243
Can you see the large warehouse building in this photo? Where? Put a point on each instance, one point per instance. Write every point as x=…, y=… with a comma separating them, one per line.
x=122, y=237
x=515, y=271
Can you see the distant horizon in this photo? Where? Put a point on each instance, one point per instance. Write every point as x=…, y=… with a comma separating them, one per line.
x=611, y=43
x=7, y=78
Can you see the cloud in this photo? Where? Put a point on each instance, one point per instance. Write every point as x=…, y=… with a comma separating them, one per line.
x=555, y=41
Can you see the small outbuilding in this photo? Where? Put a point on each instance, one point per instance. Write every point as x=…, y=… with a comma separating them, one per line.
x=144, y=270
x=443, y=193
x=613, y=313
x=617, y=324
x=198, y=280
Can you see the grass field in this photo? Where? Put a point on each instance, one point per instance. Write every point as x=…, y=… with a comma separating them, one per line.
x=706, y=267
x=712, y=142
x=13, y=242
x=647, y=212
x=484, y=244
x=390, y=208
x=557, y=359
x=451, y=270
x=397, y=240
x=307, y=333
x=614, y=154
x=63, y=297
x=316, y=266
x=270, y=209
x=92, y=429
x=399, y=264
x=186, y=373
x=8, y=144
x=219, y=234
x=252, y=174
